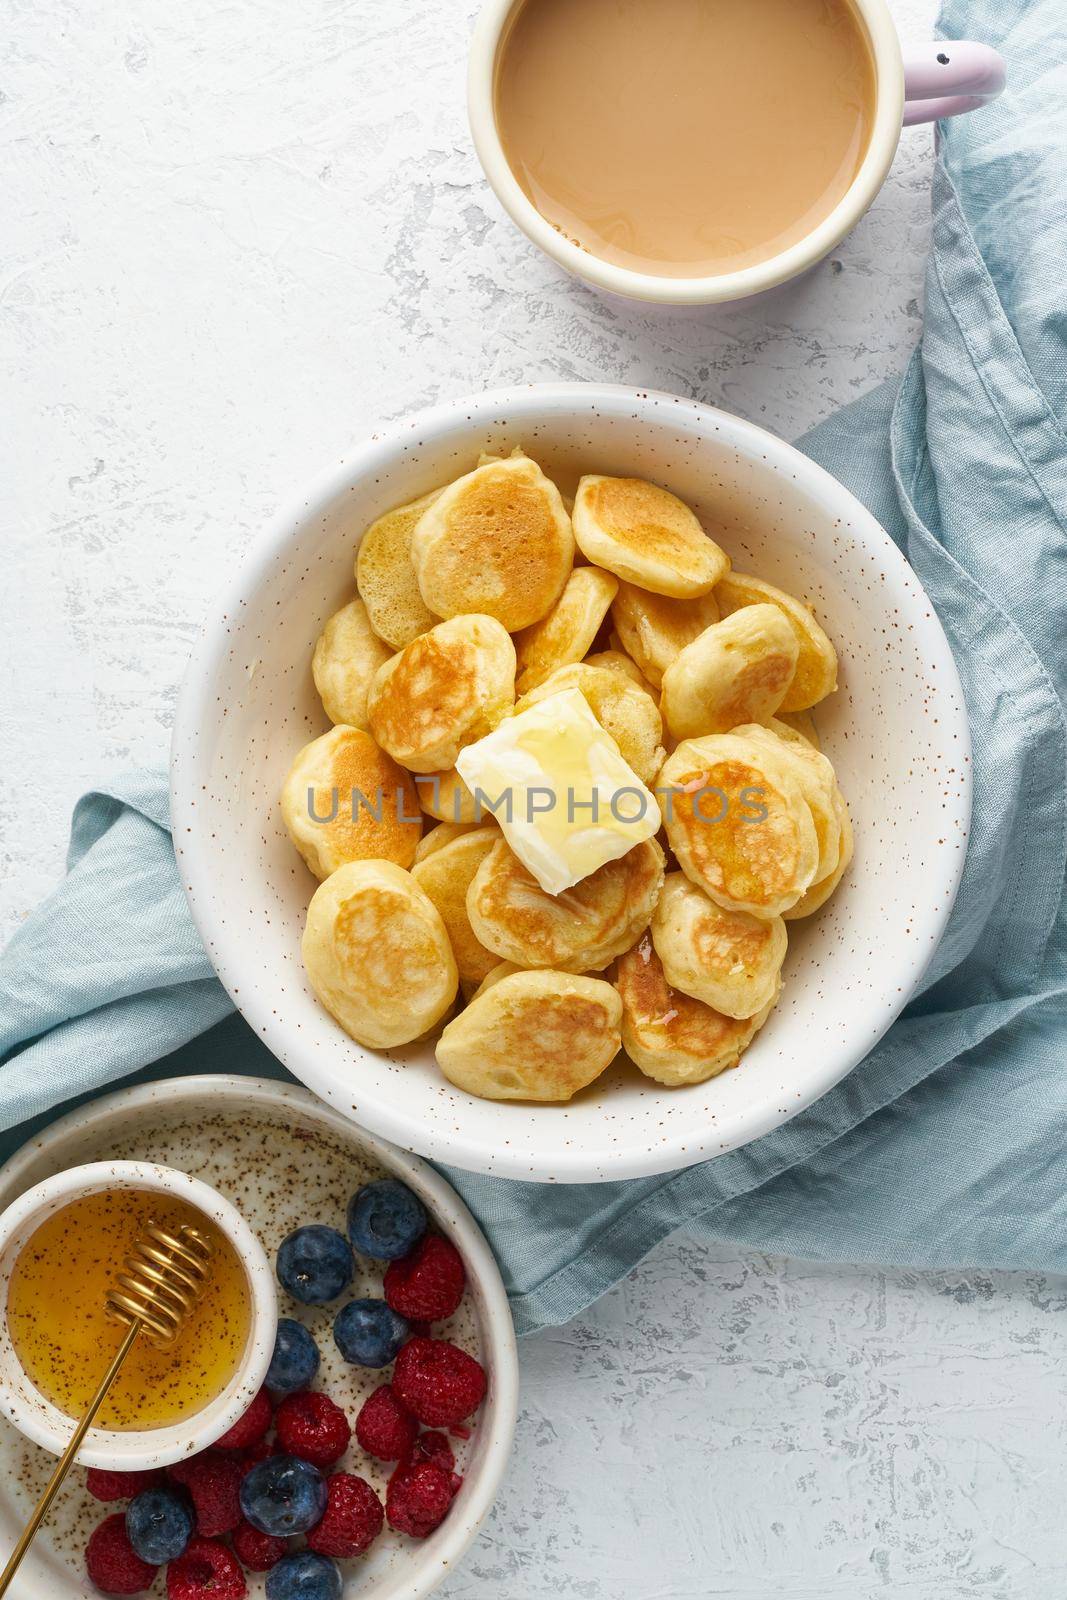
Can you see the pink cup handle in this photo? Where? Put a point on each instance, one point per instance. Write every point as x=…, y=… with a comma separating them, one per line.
x=949, y=76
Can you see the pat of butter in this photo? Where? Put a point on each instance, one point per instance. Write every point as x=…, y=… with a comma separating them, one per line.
x=566, y=800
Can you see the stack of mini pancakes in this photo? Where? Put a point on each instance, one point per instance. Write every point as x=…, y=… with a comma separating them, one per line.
x=473, y=603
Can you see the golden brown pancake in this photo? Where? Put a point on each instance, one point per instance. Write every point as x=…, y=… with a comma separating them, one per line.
x=728, y=959
x=385, y=575
x=623, y=710
x=445, y=796
x=503, y=969
x=568, y=630
x=646, y=536
x=619, y=661
x=739, y=824
x=669, y=1036
x=580, y=930
x=347, y=656
x=497, y=541
x=654, y=629
x=817, y=783
x=377, y=954
x=735, y=671
x=447, y=688
x=816, y=897
x=816, y=672
x=336, y=825
x=437, y=837
x=532, y=1036
x=796, y=725
x=445, y=875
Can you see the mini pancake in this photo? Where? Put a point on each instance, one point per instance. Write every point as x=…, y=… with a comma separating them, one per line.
x=619, y=661
x=497, y=541
x=580, y=930
x=623, y=710
x=377, y=954
x=740, y=665
x=532, y=1036
x=669, y=1036
x=728, y=959
x=796, y=725
x=817, y=783
x=736, y=671
x=568, y=630
x=385, y=575
x=817, y=896
x=445, y=796
x=654, y=629
x=368, y=805
x=436, y=838
x=738, y=823
x=503, y=969
x=816, y=673
x=346, y=658
x=646, y=536
x=445, y=875
x=447, y=688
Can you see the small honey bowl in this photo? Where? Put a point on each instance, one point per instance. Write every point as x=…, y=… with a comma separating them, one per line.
x=63, y=1245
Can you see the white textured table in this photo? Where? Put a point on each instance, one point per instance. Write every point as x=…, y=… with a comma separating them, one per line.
x=236, y=238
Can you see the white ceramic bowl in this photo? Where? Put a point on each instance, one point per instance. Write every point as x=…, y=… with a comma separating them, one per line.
x=896, y=731
x=135, y=1451
x=286, y=1158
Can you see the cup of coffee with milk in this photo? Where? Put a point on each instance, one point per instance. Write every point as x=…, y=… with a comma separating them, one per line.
x=692, y=152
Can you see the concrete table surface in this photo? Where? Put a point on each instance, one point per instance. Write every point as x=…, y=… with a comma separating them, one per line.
x=237, y=237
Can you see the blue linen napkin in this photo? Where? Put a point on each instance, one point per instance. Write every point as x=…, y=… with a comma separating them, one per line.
x=946, y=1146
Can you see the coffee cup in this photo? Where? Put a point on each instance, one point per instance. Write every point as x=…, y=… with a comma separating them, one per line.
x=940, y=79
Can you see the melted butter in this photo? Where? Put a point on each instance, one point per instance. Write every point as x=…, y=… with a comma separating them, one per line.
x=563, y=754
x=561, y=772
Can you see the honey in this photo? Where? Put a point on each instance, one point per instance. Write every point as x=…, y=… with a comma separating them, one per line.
x=64, y=1340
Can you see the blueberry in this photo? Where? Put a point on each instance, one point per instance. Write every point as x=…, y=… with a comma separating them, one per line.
x=295, y=1360
x=283, y=1495
x=159, y=1525
x=315, y=1264
x=369, y=1333
x=305, y=1576
x=385, y=1220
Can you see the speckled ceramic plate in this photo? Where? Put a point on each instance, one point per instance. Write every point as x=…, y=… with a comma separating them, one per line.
x=896, y=731
x=283, y=1159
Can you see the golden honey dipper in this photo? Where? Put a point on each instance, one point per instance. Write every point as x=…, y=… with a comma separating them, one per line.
x=161, y=1280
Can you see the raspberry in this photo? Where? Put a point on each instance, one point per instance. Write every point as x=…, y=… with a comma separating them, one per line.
x=104, y=1485
x=249, y=1429
x=353, y=1518
x=113, y=1564
x=438, y=1381
x=427, y=1285
x=385, y=1429
x=213, y=1482
x=310, y=1426
x=206, y=1569
x=257, y=1551
x=434, y=1446
x=255, y=1454
x=418, y=1498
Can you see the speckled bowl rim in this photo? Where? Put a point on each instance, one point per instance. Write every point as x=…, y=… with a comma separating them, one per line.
x=137, y=1450
x=496, y=1429
x=190, y=773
